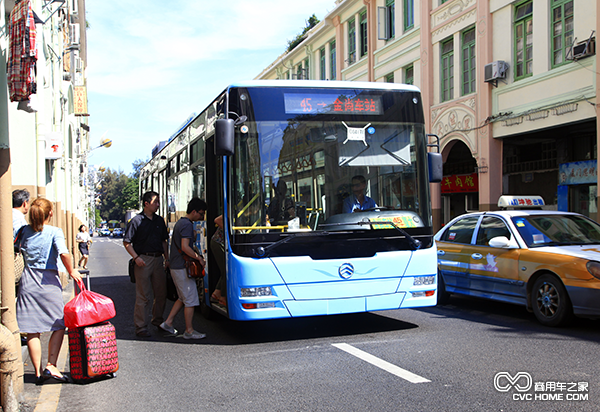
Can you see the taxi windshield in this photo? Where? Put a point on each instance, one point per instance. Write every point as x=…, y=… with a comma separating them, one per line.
x=557, y=230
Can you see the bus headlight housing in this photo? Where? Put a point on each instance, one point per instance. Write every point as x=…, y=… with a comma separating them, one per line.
x=254, y=292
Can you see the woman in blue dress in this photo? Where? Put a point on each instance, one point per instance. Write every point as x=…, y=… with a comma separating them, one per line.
x=40, y=306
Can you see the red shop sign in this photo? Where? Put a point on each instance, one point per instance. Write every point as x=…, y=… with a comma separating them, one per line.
x=460, y=183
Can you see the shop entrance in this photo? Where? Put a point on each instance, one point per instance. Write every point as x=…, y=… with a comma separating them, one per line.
x=460, y=186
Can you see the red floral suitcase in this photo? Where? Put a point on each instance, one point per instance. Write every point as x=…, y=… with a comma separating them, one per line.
x=93, y=352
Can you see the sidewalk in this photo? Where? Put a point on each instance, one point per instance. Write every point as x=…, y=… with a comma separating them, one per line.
x=44, y=398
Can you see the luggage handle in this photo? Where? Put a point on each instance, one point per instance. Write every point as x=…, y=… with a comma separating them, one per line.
x=86, y=273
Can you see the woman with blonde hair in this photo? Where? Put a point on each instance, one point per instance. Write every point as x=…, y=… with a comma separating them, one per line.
x=39, y=301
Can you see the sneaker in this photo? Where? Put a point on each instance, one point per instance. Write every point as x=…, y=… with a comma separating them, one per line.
x=168, y=328
x=194, y=335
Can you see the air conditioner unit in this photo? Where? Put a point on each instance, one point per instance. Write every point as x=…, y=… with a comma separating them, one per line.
x=74, y=7
x=495, y=70
x=584, y=49
x=78, y=65
x=74, y=34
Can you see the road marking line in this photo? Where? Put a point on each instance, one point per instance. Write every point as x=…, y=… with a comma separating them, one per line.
x=380, y=363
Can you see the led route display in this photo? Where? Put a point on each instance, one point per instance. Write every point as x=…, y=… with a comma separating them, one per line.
x=334, y=103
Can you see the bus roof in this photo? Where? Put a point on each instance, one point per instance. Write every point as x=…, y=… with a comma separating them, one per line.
x=326, y=84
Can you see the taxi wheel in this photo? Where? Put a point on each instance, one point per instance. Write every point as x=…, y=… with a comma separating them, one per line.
x=550, y=301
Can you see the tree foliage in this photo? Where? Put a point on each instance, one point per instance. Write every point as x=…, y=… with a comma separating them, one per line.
x=118, y=192
x=312, y=22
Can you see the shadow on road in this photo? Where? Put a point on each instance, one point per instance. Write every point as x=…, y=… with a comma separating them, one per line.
x=223, y=331
x=509, y=318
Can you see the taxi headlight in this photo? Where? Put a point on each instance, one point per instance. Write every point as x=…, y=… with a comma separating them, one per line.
x=594, y=268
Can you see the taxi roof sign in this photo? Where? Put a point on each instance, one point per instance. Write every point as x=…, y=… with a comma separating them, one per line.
x=520, y=201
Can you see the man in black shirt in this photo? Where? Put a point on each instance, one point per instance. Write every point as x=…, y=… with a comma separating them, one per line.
x=146, y=241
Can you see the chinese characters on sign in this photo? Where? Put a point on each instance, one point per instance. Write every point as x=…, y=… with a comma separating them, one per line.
x=460, y=183
x=519, y=201
x=578, y=173
x=313, y=103
x=80, y=101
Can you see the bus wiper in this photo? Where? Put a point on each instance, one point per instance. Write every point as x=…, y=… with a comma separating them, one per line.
x=365, y=221
x=416, y=243
x=261, y=251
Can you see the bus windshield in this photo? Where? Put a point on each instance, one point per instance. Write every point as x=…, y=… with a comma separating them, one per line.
x=313, y=160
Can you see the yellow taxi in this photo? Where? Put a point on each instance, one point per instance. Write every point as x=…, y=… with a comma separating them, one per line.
x=548, y=261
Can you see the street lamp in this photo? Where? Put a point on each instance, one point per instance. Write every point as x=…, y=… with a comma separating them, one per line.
x=90, y=186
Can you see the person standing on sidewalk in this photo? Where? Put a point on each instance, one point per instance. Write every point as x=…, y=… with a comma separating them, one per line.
x=20, y=202
x=40, y=306
x=146, y=241
x=181, y=243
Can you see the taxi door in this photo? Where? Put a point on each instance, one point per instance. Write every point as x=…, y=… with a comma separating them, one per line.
x=494, y=272
x=454, y=252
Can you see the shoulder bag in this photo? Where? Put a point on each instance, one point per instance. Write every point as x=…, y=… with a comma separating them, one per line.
x=131, y=270
x=19, y=261
x=193, y=268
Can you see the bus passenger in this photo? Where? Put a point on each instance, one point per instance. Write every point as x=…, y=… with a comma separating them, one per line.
x=358, y=201
x=217, y=246
x=182, y=241
x=281, y=208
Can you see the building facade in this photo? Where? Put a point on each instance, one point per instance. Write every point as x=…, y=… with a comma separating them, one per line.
x=509, y=87
x=47, y=133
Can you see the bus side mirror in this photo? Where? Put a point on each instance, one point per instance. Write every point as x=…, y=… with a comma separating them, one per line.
x=436, y=167
x=224, y=137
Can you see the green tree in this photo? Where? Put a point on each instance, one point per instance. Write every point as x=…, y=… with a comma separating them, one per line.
x=137, y=167
x=118, y=192
x=312, y=22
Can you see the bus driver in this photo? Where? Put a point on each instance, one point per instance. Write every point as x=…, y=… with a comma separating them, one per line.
x=358, y=201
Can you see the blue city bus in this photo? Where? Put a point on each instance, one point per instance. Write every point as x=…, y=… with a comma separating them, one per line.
x=324, y=190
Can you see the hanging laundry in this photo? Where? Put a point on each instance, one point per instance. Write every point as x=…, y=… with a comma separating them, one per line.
x=22, y=52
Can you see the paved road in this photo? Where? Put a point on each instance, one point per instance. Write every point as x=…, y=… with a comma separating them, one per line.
x=436, y=359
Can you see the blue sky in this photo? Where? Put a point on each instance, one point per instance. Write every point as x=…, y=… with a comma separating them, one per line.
x=151, y=64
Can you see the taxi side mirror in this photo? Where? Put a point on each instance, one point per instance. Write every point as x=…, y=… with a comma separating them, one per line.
x=502, y=242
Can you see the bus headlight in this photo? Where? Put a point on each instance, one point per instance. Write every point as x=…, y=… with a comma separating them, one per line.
x=254, y=292
x=424, y=280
